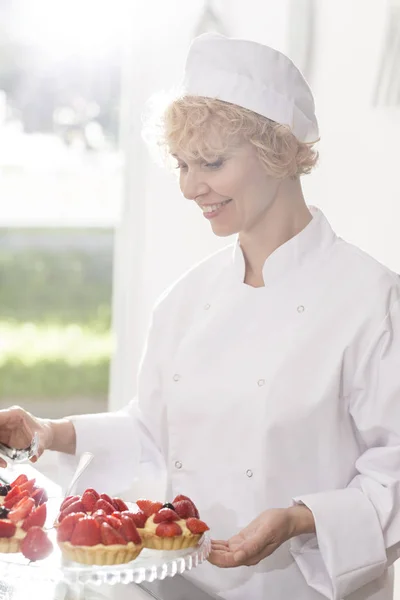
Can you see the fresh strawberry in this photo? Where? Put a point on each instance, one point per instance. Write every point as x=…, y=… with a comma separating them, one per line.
x=19, y=481
x=100, y=516
x=114, y=522
x=21, y=510
x=37, y=518
x=196, y=526
x=66, y=528
x=184, y=509
x=138, y=517
x=117, y=514
x=74, y=507
x=29, y=486
x=7, y=529
x=107, y=498
x=36, y=545
x=168, y=529
x=182, y=497
x=119, y=504
x=15, y=491
x=109, y=536
x=104, y=505
x=88, y=501
x=129, y=531
x=93, y=492
x=40, y=496
x=86, y=532
x=68, y=500
x=10, y=502
x=148, y=507
x=165, y=514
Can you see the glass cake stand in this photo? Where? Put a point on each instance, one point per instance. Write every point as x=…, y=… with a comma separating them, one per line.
x=147, y=567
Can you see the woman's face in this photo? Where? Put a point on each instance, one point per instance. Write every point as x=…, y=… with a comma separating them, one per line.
x=234, y=192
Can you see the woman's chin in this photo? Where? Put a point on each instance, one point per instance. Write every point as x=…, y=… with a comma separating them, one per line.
x=223, y=229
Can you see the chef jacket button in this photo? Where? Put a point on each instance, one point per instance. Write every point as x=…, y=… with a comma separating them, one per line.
x=261, y=382
x=178, y=464
x=249, y=473
x=300, y=308
x=207, y=306
x=177, y=377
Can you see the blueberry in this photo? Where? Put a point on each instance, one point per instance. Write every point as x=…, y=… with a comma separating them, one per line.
x=4, y=489
x=169, y=505
x=3, y=512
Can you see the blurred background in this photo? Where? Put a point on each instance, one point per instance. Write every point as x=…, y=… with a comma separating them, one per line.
x=92, y=230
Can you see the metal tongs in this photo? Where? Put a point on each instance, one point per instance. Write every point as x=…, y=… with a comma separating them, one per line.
x=17, y=455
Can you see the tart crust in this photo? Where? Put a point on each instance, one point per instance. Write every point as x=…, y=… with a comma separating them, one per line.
x=10, y=545
x=155, y=542
x=100, y=554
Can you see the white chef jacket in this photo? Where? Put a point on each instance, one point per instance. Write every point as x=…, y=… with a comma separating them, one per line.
x=254, y=398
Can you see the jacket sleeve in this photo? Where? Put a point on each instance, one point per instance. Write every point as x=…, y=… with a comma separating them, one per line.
x=358, y=528
x=128, y=443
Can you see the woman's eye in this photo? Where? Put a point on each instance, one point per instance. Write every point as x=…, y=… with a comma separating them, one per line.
x=216, y=164
x=181, y=166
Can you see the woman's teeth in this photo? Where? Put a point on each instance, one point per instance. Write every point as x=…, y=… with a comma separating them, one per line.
x=213, y=207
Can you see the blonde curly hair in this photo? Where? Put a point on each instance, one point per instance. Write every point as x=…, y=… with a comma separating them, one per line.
x=206, y=128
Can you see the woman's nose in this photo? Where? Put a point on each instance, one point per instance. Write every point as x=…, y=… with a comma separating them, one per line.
x=193, y=185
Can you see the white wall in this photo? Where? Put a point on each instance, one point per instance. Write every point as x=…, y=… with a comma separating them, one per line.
x=357, y=186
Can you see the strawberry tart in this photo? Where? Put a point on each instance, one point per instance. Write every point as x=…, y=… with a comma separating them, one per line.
x=22, y=517
x=95, y=529
x=170, y=526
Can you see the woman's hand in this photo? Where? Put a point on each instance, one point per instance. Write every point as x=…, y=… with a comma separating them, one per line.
x=262, y=537
x=17, y=428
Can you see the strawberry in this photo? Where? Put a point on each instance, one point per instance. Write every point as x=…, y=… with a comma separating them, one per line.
x=68, y=500
x=100, y=516
x=21, y=510
x=29, y=485
x=36, y=545
x=109, y=536
x=168, y=529
x=165, y=514
x=117, y=514
x=138, y=517
x=40, y=496
x=129, y=531
x=196, y=526
x=148, y=507
x=86, y=532
x=93, y=492
x=37, y=518
x=19, y=481
x=182, y=497
x=114, y=522
x=74, y=507
x=107, y=498
x=7, y=529
x=15, y=491
x=119, y=504
x=104, y=505
x=185, y=509
x=9, y=503
x=88, y=501
x=66, y=528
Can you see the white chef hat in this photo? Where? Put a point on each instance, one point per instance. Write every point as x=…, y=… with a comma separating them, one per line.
x=254, y=76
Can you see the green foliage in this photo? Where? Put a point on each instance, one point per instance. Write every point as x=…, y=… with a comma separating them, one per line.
x=56, y=276
x=55, y=313
x=53, y=361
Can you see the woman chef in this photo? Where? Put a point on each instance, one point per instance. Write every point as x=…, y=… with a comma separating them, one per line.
x=270, y=384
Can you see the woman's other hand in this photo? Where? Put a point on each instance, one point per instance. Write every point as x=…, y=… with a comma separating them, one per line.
x=262, y=537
